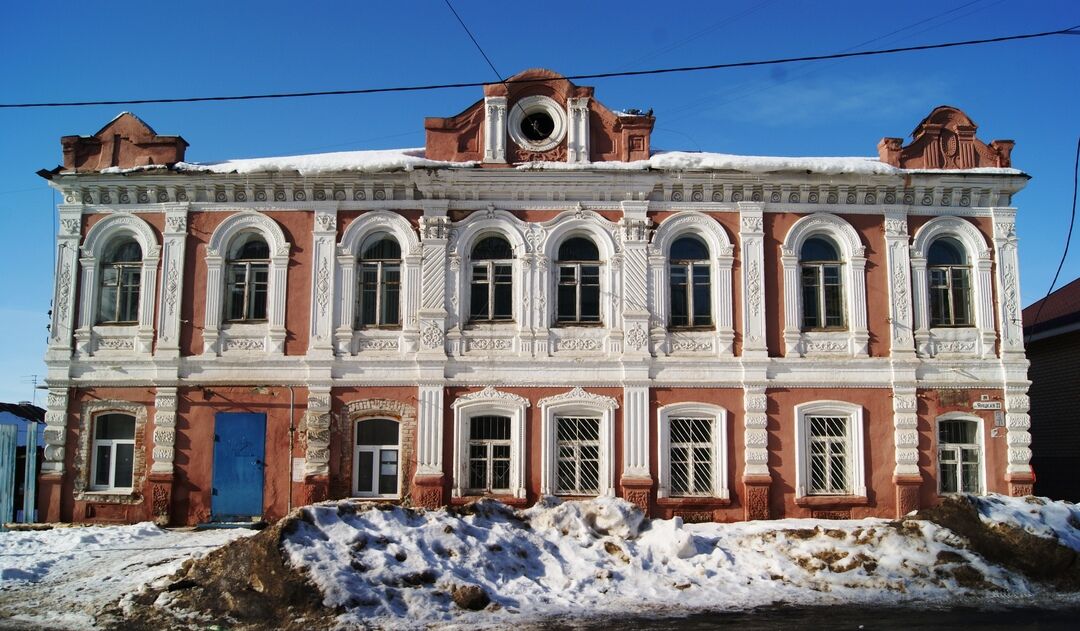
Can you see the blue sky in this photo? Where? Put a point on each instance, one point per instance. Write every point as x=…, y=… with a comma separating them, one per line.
x=59, y=51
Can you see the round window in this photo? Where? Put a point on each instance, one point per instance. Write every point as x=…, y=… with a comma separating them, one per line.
x=536, y=123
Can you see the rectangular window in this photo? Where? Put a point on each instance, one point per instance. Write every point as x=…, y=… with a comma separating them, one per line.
x=577, y=447
x=692, y=456
x=578, y=294
x=119, y=300
x=247, y=291
x=491, y=292
x=379, y=294
x=489, y=453
x=113, y=452
x=829, y=470
x=811, y=291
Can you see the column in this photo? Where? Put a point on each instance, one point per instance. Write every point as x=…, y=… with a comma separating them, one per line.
x=1008, y=284
x=172, y=281
x=430, y=479
x=752, y=243
x=636, y=482
x=161, y=471
x=900, y=304
x=756, y=477
x=62, y=325
x=577, y=133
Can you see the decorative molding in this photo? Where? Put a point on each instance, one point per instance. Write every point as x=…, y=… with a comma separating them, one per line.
x=490, y=394
x=577, y=395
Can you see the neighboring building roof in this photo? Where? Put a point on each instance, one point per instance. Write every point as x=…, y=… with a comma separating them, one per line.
x=24, y=410
x=1060, y=315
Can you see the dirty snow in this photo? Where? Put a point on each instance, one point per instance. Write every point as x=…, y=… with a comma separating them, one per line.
x=62, y=578
x=393, y=566
x=1036, y=515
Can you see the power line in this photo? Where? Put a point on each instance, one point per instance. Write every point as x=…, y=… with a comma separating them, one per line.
x=1068, y=237
x=599, y=75
x=475, y=43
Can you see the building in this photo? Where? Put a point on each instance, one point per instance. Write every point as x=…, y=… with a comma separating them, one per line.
x=1052, y=338
x=536, y=303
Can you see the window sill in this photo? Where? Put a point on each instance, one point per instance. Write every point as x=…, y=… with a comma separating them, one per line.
x=692, y=329
x=507, y=499
x=108, y=492
x=578, y=325
x=832, y=500
x=693, y=501
x=361, y=329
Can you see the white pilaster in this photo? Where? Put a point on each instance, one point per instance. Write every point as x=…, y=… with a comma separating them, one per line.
x=495, y=129
x=752, y=239
x=756, y=434
x=897, y=258
x=429, y=430
x=577, y=133
x=164, y=430
x=172, y=280
x=62, y=326
x=316, y=427
x=55, y=431
x=1018, y=424
x=636, y=432
x=323, y=238
x=1008, y=282
x=905, y=432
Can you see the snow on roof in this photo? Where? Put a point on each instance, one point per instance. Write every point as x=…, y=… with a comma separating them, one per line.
x=314, y=164
x=414, y=158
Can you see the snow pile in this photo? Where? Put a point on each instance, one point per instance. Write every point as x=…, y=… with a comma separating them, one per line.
x=1035, y=515
x=314, y=164
x=706, y=161
x=602, y=556
x=62, y=578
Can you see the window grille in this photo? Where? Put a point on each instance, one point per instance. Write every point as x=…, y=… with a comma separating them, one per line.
x=578, y=455
x=692, y=457
x=829, y=469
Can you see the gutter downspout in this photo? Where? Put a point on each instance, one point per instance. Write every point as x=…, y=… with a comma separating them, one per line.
x=292, y=431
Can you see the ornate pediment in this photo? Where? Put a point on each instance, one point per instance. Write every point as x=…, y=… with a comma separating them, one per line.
x=945, y=140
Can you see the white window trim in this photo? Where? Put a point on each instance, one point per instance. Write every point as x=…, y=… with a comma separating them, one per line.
x=856, y=445
x=531, y=105
x=577, y=402
x=265, y=338
x=594, y=227
x=981, y=435
x=111, y=442
x=855, y=340
x=83, y=459
x=357, y=448
x=489, y=402
x=719, y=418
x=347, y=339
x=975, y=340
x=721, y=259
x=99, y=238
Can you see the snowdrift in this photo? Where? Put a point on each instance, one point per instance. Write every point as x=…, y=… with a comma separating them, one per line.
x=357, y=564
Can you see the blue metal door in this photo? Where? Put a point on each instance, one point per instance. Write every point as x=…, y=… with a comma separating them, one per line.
x=239, y=440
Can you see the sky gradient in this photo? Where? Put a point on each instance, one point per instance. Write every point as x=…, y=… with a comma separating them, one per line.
x=62, y=51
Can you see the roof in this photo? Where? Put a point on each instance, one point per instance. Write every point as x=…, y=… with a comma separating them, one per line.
x=1062, y=309
x=26, y=411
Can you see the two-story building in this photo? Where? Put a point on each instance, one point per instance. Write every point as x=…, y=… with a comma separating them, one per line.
x=534, y=303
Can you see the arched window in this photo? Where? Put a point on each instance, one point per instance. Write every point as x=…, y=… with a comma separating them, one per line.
x=379, y=294
x=492, y=285
x=121, y=277
x=821, y=283
x=691, y=302
x=375, y=459
x=959, y=456
x=248, y=278
x=112, y=459
x=949, y=274
x=579, y=282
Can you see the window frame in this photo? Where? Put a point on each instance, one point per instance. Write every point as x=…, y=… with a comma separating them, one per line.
x=577, y=445
x=381, y=283
x=968, y=298
x=248, y=296
x=112, y=443
x=689, y=265
x=577, y=266
x=490, y=283
x=489, y=402
x=577, y=403
x=133, y=297
x=376, y=450
x=979, y=445
x=820, y=267
x=489, y=458
x=855, y=447
x=718, y=417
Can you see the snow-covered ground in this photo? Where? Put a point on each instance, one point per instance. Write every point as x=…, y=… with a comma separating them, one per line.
x=62, y=578
x=393, y=567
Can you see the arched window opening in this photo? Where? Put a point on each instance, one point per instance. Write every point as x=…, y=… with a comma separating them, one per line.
x=375, y=461
x=950, y=284
x=822, y=286
x=959, y=456
x=579, y=282
x=112, y=457
x=121, y=279
x=690, y=283
x=248, y=275
x=379, y=294
x=492, y=284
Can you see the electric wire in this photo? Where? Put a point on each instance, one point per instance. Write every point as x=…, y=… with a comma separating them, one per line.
x=1068, y=236
x=1072, y=30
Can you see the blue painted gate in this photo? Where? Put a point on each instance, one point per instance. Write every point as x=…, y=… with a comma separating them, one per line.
x=239, y=441
x=8, y=440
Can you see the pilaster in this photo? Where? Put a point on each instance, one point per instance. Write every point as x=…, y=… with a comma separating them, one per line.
x=62, y=326
x=323, y=299
x=897, y=257
x=1018, y=473
x=55, y=431
x=752, y=244
x=757, y=480
x=634, y=229
x=161, y=470
x=430, y=479
x=316, y=427
x=577, y=133
x=495, y=129
x=1008, y=283
x=906, y=473
x=173, y=248
x=434, y=234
